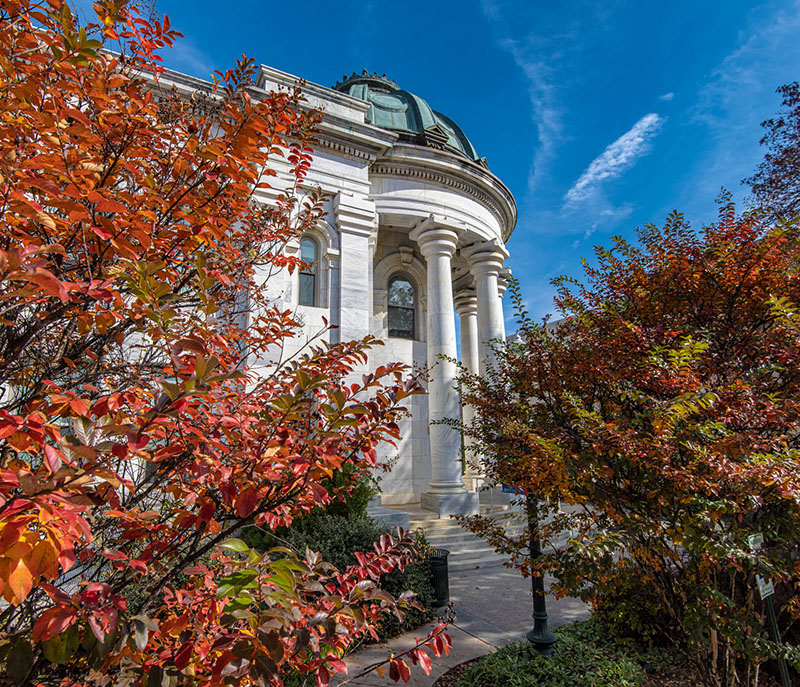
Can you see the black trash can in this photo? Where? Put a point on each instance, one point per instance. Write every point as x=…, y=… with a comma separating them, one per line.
x=437, y=561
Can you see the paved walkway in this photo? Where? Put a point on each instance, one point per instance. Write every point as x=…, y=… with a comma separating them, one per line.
x=493, y=607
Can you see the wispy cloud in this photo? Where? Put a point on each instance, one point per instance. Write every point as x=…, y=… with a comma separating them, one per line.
x=542, y=52
x=618, y=157
x=186, y=57
x=544, y=103
x=667, y=97
x=735, y=97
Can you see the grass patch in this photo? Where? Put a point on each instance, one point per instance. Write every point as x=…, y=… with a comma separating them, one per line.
x=585, y=656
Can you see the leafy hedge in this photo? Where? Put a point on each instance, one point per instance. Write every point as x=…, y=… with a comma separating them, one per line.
x=585, y=657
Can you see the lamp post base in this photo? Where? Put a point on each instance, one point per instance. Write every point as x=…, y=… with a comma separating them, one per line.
x=541, y=638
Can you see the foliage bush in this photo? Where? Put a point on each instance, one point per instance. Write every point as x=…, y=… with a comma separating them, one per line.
x=338, y=538
x=584, y=657
x=629, y=609
x=663, y=412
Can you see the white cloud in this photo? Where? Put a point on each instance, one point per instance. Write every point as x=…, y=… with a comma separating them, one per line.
x=546, y=113
x=616, y=158
x=667, y=97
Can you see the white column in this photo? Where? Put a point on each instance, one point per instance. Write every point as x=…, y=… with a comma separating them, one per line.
x=446, y=493
x=467, y=308
x=486, y=262
x=502, y=287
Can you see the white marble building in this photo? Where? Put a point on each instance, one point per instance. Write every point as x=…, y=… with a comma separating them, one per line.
x=414, y=236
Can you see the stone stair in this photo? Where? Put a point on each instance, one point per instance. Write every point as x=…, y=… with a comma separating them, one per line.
x=467, y=551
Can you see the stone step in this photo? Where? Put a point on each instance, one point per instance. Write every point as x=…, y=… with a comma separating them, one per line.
x=468, y=552
x=435, y=523
x=484, y=564
x=446, y=541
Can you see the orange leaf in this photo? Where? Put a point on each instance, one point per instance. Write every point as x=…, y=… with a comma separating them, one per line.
x=20, y=583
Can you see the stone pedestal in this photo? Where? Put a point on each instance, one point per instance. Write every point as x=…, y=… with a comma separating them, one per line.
x=464, y=503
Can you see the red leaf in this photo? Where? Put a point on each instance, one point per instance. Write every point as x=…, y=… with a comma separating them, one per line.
x=137, y=442
x=114, y=555
x=98, y=631
x=424, y=660
x=67, y=557
x=338, y=665
x=323, y=676
x=52, y=457
x=405, y=671
x=53, y=622
x=183, y=655
x=246, y=502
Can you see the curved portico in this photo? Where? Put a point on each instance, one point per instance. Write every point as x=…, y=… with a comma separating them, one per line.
x=438, y=205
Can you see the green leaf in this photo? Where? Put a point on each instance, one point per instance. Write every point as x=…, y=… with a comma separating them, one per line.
x=61, y=648
x=20, y=660
x=140, y=633
x=235, y=545
x=284, y=580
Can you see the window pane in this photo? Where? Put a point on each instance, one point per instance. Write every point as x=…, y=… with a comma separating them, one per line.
x=308, y=252
x=401, y=322
x=401, y=293
x=306, y=289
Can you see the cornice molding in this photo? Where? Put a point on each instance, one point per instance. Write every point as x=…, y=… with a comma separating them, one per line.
x=344, y=149
x=413, y=169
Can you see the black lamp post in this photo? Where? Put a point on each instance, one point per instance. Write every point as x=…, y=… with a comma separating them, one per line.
x=540, y=636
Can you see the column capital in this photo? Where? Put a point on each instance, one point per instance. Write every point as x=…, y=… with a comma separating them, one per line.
x=502, y=281
x=466, y=302
x=488, y=256
x=436, y=235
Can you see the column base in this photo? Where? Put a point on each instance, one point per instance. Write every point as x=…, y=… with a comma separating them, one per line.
x=459, y=503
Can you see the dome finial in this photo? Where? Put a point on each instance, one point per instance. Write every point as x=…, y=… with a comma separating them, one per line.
x=380, y=82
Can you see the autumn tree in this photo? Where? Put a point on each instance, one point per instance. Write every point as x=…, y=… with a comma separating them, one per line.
x=776, y=183
x=136, y=438
x=656, y=426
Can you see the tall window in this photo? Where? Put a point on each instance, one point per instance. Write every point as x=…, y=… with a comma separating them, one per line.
x=308, y=274
x=401, y=308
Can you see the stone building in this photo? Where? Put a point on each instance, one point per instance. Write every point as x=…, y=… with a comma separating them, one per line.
x=414, y=236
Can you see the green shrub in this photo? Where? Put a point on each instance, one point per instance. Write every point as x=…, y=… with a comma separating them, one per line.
x=584, y=657
x=630, y=609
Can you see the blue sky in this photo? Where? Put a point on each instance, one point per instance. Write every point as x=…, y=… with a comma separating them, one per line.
x=599, y=116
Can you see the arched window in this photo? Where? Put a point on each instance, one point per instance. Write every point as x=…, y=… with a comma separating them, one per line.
x=401, y=308
x=308, y=273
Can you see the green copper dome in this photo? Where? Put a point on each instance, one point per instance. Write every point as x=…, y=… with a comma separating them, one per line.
x=409, y=115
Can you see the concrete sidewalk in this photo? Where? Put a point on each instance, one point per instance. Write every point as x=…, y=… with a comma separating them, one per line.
x=493, y=607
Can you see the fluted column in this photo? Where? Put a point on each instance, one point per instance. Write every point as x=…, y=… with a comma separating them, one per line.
x=486, y=262
x=446, y=493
